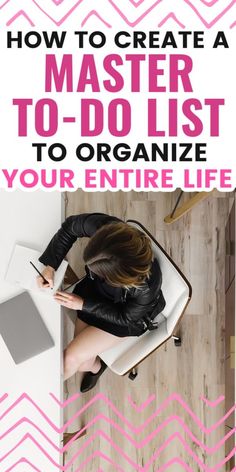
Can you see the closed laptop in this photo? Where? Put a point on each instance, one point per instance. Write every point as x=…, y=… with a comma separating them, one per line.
x=22, y=328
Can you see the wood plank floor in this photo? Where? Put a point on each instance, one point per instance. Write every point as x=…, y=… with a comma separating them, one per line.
x=197, y=244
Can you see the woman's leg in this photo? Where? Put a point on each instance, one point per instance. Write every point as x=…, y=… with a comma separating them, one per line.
x=92, y=365
x=81, y=353
x=79, y=327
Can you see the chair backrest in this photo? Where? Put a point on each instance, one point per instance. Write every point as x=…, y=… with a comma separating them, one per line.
x=175, y=287
x=177, y=292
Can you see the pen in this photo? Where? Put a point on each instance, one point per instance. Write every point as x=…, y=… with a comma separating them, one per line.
x=41, y=275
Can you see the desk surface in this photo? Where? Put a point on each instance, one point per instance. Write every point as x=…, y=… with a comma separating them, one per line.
x=31, y=219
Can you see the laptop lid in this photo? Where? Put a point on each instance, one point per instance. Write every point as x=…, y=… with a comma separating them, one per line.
x=22, y=328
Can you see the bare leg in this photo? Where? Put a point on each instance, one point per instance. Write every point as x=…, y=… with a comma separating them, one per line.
x=94, y=364
x=79, y=327
x=81, y=354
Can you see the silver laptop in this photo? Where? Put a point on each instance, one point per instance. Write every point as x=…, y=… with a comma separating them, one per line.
x=23, y=329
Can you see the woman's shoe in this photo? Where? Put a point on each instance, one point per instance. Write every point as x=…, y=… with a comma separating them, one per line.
x=89, y=381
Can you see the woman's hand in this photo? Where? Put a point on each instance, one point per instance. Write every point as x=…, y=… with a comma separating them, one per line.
x=69, y=300
x=48, y=273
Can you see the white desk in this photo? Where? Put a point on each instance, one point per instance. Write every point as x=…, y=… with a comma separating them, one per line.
x=31, y=219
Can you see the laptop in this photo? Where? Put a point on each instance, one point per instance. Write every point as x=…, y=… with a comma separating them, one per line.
x=22, y=328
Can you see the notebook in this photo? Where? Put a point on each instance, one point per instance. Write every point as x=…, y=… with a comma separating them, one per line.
x=22, y=328
x=21, y=273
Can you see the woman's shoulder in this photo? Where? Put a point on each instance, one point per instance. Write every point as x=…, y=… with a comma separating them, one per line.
x=86, y=224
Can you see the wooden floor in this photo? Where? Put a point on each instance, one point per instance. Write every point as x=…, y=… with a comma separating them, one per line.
x=197, y=244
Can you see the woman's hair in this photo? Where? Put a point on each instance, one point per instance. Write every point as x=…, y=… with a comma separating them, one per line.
x=120, y=254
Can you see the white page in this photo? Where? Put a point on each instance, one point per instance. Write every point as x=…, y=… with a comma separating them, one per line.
x=21, y=273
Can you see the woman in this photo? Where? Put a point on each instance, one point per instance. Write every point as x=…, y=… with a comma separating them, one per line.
x=118, y=297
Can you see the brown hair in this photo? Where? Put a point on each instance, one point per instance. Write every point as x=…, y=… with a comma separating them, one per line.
x=119, y=253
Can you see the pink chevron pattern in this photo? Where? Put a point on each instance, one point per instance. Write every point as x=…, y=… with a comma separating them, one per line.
x=207, y=14
x=23, y=460
x=4, y=397
x=215, y=403
x=216, y=19
x=94, y=13
x=137, y=430
x=4, y=3
x=144, y=404
x=136, y=444
x=66, y=402
x=17, y=15
x=58, y=12
x=173, y=17
x=99, y=433
x=58, y=2
x=175, y=460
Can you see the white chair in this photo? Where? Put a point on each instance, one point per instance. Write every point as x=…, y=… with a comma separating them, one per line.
x=177, y=292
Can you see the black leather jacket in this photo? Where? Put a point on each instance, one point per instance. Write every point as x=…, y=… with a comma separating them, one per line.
x=136, y=306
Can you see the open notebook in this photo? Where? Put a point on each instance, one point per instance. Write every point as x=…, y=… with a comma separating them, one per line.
x=21, y=273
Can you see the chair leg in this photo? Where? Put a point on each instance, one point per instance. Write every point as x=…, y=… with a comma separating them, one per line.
x=186, y=207
x=133, y=373
x=177, y=340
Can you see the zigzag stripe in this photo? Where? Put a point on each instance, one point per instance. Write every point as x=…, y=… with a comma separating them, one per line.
x=141, y=17
x=65, y=467
x=26, y=397
x=175, y=460
x=23, y=460
x=3, y=5
x=28, y=436
x=64, y=18
x=144, y=404
x=154, y=415
x=140, y=408
x=136, y=4
x=216, y=19
x=139, y=429
x=4, y=397
x=100, y=433
x=190, y=452
x=146, y=467
x=101, y=456
x=17, y=15
x=219, y=400
x=173, y=17
x=209, y=4
x=95, y=13
x=66, y=402
x=57, y=2
x=136, y=444
x=31, y=423
x=59, y=22
x=151, y=436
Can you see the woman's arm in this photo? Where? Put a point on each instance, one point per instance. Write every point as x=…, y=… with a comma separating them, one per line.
x=76, y=226
x=122, y=314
